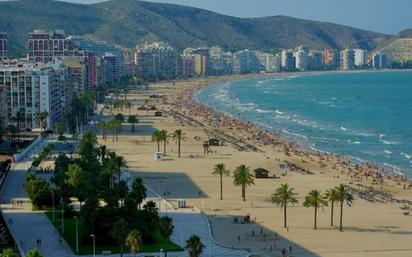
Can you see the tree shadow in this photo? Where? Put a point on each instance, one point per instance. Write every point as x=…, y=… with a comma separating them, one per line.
x=171, y=185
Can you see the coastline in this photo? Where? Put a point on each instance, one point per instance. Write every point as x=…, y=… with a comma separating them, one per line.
x=386, y=168
x=376, y=207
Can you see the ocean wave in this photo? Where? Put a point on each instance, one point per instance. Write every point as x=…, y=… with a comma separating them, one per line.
x=258, y=110
x=394, y=168
x=387, y=142
x=343, y=128
x=407, y=156
x=387, y=152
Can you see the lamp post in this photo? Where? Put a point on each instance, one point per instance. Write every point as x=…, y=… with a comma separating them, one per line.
x=161, y=252
x=62, y=203
x=77, y=235
x=94, y=245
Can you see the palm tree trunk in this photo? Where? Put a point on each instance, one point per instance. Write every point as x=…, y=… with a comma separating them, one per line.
x=284, y=216
x=158, y=146
x=341, y=216
x=316, y=213
x=331, y=215
x=221, y=186
x=178, y=147
x=164, y=147
x=244, y=193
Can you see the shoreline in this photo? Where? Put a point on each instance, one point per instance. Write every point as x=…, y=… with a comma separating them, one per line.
x=291, y=137
x=365, y=168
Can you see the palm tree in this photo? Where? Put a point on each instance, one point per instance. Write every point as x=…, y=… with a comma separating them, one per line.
x=34, y=253
x=342, y=195
x=118, y=163
x=19, y=118
x=132, y=120
x=12, y=130
x=8, y=252
x=243, y=177
x=43, y=120
x=165, y=137
x=284, y=196
x=128, y=104
x=157, y=137
x=134, y=241
x=178, y=136
x=194, y=246
x=315, y=199
x=220, y=169
x=59, y=126
x=332, y=196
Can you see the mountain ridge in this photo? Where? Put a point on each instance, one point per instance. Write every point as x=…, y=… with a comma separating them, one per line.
x=128, y=22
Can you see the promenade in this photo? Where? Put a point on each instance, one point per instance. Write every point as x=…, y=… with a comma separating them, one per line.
x=27, y=226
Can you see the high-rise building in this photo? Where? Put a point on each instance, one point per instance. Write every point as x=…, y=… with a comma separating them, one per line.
x=102, y=50
x=228, y=59
x=301, y=60
x=361, y=57
x=3, y=45
x=216, y=62
x=331, y=58
x=315, y=60
x=32, y=89
x=188, y=68
x=379, y=60
x=157, y=59
x=347, y=59
x=44, y=46
x=287, y=61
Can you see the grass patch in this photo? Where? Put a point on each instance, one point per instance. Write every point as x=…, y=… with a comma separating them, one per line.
x=87, y=249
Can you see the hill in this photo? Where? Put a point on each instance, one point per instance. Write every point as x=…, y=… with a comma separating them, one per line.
x=127, y=22
x=398, y=47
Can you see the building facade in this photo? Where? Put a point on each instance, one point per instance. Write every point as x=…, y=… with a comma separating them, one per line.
x=3, y=45
x=32, y=89
x=44, y=46
x=347, y=59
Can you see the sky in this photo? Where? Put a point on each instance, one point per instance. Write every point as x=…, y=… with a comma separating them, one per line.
x=387, y=16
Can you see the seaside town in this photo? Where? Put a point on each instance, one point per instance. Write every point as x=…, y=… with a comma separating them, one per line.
x=104, y=151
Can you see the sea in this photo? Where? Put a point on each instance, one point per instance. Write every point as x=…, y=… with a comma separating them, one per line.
x=366, y=116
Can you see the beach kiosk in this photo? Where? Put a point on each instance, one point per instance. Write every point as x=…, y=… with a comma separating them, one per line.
x=261, y=173
x=158, y=156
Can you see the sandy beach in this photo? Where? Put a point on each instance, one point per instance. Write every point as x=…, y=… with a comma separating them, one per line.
x=373, y=226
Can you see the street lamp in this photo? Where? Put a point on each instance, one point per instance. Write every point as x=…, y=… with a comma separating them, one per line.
x=77, y=235
x=161, y=252
x=62, y=203
x=94, y=245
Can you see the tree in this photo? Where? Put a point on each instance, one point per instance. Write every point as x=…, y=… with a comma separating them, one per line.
x=343, y=195
x=132, y=120
x=38, y=190
x=134, y=241
x=243, y=177
x=194, y=246
x=178, y=136
x=20, y=116
x=157, y=137
x=165, y=136
x=34, y=253
x=315, y=199
x=332, y=196
x=119, y=232
x=59, y=128
x=8, y=252
x=138, y=191
x=79, y=180
x=284, y=196
x=128, y=104
x=12, y=130
x=2, y=131
x=43, y=120
x=220, y=170
x=166, y=227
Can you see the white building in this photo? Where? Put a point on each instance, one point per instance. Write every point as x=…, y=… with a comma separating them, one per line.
x=31, y=89
x=379, y=60
x=361, y=57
